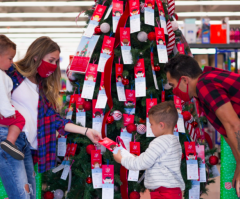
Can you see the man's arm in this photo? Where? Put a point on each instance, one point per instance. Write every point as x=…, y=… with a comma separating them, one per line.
x=231, y=123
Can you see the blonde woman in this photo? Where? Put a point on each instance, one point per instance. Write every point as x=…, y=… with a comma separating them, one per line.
x=36, y=85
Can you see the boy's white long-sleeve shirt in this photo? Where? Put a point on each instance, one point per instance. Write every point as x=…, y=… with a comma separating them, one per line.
x=162, y=161
x=6, y=85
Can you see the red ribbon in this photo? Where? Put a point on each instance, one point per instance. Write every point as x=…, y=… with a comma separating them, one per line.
x=107, y=84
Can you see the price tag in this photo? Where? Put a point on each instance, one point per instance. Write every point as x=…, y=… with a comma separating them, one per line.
x=126, y=45
x=62, y=146
x=149, y=12
x=80, y=112
x=107, y=181
x=161, y=45
x=134, y=16
x=120, y=86
x=116, y=13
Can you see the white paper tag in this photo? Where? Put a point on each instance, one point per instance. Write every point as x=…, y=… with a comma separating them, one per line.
x=69, y=115
x=133, y=175
x=88, y=89
x=81, y=118
x=59, y=168
x=97, y=124
x=140, y=86
x=121, y=92
x=162, y=54
x=101, y=99
x=194, y=192
x=163, y=24
x=126, y=54
x=192, y=170
x=65, y=171
x=97, y=178
x=62, y=146
x=102, y=61
x=149, y=132
x=180, y=123
x=127, y=138
x=149, y=16
x=108, y=12
x=135, y=23
x=155, y=80
x=107, y=191
x=115, y=23
x=91, y=28
x=202, y=173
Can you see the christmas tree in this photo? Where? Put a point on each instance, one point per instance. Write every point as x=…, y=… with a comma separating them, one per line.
x=151, y=50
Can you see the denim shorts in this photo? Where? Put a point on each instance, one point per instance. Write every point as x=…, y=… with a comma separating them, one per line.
x=16, y=174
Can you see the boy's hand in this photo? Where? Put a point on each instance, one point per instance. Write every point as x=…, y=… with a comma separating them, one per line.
x=118, y=157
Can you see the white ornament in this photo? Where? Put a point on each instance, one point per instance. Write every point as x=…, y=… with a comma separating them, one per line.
x=142, y=36
x=167, y=86
x=174, y=25
x=58, y=194
x=105, y=27
x=68, y=98
x=141, y=128
x=117, y=115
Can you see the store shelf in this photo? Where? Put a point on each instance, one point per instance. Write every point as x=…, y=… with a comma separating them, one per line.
x=219, y=46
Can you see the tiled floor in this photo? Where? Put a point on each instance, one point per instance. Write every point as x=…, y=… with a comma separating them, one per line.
x=213, y=193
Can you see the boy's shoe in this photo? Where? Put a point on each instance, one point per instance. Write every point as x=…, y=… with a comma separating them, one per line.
x=12, y=150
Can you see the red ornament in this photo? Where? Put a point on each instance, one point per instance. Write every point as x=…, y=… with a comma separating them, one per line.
x=48, y=195
x=213, y=160
x=176, y=16
x=151, y=36
x=110, y=119
x=194, y=124
x=134, y=195
x=97, y=30
x=131, y=128
x=183, y=156
x=89, y=180
x=125, y=81
x=142, y=121
x=186, y=115
x=87, y=105
x=89, y=148
x=157, y=68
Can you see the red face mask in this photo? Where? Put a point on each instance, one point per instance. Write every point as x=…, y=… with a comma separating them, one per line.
x=182, y=95
x=46, y=69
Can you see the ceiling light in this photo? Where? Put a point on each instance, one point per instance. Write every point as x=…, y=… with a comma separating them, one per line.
x=70, y=35
x=42, y=23
x=208, y=14
x=208, y=3
x=46, y=3
x=42, y=15
x=39, y=30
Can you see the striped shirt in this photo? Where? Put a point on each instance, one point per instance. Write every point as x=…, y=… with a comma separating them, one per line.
x=162, y=161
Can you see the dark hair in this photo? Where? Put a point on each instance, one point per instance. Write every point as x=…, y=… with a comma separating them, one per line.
x=191, y=154
x=160, y=39
x=117, y=12
x=119, y=76
x=5, y=44
x=183, y=65
x=165, y=112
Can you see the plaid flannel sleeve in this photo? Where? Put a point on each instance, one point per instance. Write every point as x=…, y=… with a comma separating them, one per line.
x=60, y=124
x=212, y=94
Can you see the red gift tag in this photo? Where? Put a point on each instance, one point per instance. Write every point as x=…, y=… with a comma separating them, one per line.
x=160, y=8
x=160, y=37
x=180, y=48
x=73, y=149
x=102, y=82
x=109, y=144
x=98, y=12
x=91, y=74
x=79, y=103
x=119, y=71
x=200, y=152
x=149, y=4
x=68, y=151
x=127, y=119
x=125, y=36
x=135, y=148
x=96, y=159
x=163, y=96
x=130, y=98
x=71, y=102
x=117, y=8
x=107, y=46
x=150, y=103
x=178, y=105
x=107, y=174
x=190, y=151
x=139, y=69
x=134, y=7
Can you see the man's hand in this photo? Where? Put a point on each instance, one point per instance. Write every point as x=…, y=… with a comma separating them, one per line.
x=118, y=157
x=236, y=180
x=93, y=135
